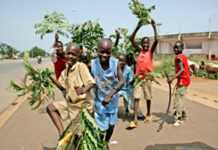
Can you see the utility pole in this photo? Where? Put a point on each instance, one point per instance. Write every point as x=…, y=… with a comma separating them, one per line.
x=158, y=31
x=209, y=40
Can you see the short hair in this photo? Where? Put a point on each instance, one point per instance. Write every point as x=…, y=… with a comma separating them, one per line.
x=104, y=40
x=58, y=42
x=69, y=45
x=145, y=38
x=179, y=44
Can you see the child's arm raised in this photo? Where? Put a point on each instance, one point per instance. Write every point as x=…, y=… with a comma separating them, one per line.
x=132, y=37
x=154, y=45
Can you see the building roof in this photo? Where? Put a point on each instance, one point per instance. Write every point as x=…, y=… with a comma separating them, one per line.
x=211, y=34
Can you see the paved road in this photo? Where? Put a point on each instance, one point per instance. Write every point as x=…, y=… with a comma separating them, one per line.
x=11, y=70
x=29, y=130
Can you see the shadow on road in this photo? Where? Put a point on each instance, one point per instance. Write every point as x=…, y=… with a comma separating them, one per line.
x=48, y=148
x=163, y=116
x=183, y=146
x=122, y=115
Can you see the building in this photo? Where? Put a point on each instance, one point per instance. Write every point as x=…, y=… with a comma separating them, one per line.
x=205, y=43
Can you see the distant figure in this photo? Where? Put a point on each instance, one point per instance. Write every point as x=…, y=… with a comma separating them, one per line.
x=202, y=65
x=39, y=59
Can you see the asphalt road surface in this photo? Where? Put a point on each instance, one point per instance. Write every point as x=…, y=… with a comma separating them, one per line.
x=12, y=70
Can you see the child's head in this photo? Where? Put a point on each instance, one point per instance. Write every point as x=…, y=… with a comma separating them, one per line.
x=145, y=43
x=59, y=48
x=72, y=53
x=122, y=60
x=104, y=50
x=178, y=47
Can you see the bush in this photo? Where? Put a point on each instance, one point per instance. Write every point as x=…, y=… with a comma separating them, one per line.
x=166, y=65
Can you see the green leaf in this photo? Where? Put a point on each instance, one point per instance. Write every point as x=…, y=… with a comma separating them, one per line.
x=141, y=12
x=52, y=22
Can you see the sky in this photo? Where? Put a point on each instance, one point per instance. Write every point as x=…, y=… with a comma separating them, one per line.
x=19, y=16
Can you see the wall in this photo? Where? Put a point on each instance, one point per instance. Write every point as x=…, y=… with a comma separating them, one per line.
x=165, y=46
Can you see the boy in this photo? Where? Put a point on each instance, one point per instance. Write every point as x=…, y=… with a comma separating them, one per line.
x=58, y=57
x=109, y=80
x=183, y=80
x=144, y=65
x=127, y=90
x=76, y=82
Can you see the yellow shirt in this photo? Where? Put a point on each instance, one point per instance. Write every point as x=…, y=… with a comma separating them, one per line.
x=78, y=76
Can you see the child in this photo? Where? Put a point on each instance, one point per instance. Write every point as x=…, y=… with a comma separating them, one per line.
x=76, y=81
x=144, y=65
x=109, y=80
x=126, y=93
x=58, y=57
x=183, y=80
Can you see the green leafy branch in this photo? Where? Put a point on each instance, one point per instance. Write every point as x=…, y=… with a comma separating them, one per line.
x=89, y=136
x=37, y=83
x=51, y=23
x=141, y=12
x=87, y=34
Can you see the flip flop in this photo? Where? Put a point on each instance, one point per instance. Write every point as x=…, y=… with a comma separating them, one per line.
x=132, y=125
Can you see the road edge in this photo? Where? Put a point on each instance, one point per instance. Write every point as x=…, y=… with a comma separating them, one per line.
x=7, y=113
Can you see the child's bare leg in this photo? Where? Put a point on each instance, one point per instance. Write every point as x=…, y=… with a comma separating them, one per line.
x=55, y=117
x=136, y=109
x=109, y=133
x=148, y=107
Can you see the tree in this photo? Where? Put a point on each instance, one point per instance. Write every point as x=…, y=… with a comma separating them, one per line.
x=7, y=50
x=51, y=23
x=87, y=34
x=36, y=51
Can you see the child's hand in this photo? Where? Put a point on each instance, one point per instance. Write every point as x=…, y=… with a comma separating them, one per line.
x=170, y=80
x=140, y=23
x=80, y=90
x=106, y=101
x=117, y=32
x=64, y=92
x=153, y=22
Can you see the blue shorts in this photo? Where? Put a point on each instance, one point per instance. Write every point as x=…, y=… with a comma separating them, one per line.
x=105, y=119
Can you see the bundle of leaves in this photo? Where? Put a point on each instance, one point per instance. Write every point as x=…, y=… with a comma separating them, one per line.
x=52, y=22
x=83, y=135
x=87, y=34
x=37, y=83
x=141, y=12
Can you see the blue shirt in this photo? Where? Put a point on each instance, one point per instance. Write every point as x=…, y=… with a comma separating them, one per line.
x=127, y=88
x=105, y=81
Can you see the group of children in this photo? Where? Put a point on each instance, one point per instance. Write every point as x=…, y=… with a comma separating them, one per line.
x=110, y=79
